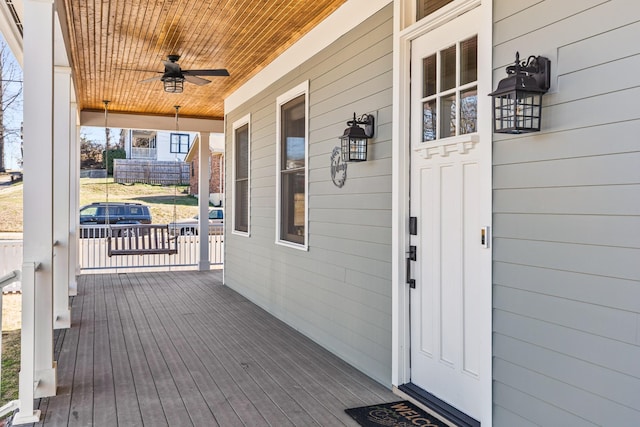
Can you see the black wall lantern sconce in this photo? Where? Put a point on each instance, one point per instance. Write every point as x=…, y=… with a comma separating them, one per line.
x=517, y=102
x=353, y=143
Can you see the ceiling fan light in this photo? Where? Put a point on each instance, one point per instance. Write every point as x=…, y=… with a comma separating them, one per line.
x=173, y=84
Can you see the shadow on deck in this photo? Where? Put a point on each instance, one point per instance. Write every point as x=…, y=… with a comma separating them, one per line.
x=180, y=349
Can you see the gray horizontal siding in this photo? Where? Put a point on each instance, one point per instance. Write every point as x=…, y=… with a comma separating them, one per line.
x=339, y=291
x=567, y=221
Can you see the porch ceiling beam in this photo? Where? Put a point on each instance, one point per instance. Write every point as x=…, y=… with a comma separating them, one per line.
x=136, y=121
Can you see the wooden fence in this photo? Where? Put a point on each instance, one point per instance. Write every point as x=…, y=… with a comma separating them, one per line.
x=129, y=171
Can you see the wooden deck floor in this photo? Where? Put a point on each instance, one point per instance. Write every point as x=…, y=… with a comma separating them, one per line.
x=181, y=349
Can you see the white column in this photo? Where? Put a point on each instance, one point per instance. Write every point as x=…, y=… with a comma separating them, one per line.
x=38, y=192
x=74, y=198
x=61, y=199
x=204, y=171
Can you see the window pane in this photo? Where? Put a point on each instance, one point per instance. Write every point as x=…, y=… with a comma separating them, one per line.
x=448, y=116
x=448, y=68
x=242, y=206
x=242, y=154
x=469, y=111
x=429, y=76
x=293, y=210
x=429, y=121
x=469, y=60
x=293, y=134
x=426, y=7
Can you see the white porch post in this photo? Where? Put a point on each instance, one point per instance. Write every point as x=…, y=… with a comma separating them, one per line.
x=203, y=201
x=74, y=198
x=37, y=312
x=61, y=201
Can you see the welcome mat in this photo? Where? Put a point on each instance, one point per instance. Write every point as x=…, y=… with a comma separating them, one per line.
x=395, y=414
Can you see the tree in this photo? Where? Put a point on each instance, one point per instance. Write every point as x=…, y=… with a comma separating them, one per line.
x=90, y=153
x=10, y=98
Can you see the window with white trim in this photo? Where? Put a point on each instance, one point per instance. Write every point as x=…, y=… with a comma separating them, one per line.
x=292, y=166
x=241, y=175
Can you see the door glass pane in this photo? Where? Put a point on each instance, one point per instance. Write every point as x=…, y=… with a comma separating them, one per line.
x=429, y=71
x=448, y=68
x=469, y=60
x=469, y=111
x=427, y=7
x=429, y=121
x=448, y=116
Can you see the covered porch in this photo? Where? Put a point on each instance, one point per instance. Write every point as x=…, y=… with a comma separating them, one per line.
x=180, y=348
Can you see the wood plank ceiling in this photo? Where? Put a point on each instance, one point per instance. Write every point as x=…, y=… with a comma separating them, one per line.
x=114, y=44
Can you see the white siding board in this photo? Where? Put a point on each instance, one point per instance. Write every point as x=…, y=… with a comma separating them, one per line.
x=621, y=231
x=598, y=290
x=599, y=200
x=607, y=261
x=505, y=9
x=547, y=39
x=580, y=345
x=588, y=82
x=539, y=18
x=587, y=141
x=380, y=235
x=598, y=320
x=585, y=407
x=373, y=217
x=603, y=48
x=533, y=412
x=583, y=171
x=585, y=376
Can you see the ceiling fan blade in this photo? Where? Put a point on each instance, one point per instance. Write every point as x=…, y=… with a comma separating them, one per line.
x=195, y=80
x=215, y=72
x=152, y=79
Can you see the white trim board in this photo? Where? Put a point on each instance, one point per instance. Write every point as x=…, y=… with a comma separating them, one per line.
x=347, y=17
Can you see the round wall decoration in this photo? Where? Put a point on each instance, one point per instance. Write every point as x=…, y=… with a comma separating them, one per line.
x=338, y=168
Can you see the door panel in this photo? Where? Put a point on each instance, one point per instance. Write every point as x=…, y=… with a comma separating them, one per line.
x=447, y=175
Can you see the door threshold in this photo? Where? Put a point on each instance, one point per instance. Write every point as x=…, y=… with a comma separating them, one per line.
x=439, y=407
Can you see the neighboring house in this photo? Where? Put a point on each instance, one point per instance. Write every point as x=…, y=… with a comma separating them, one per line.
x=157, y=145
x=494, y=276
x=216, y=167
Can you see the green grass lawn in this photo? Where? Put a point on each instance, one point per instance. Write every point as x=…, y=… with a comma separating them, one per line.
x=166, y=202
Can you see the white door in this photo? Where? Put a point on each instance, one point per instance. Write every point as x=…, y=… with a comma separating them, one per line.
x=448, y=170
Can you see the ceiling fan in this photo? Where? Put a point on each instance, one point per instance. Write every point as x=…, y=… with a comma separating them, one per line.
x=173, y=77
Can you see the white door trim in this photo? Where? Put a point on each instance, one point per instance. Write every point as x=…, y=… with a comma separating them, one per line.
x=404, y=33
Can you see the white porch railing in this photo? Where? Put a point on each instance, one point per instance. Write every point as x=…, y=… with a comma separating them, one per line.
x=27, y=414
x=10, y=260
x=94, y=253
x=144, y=153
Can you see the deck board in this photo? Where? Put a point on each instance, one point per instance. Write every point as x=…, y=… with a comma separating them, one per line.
x=179, y=348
